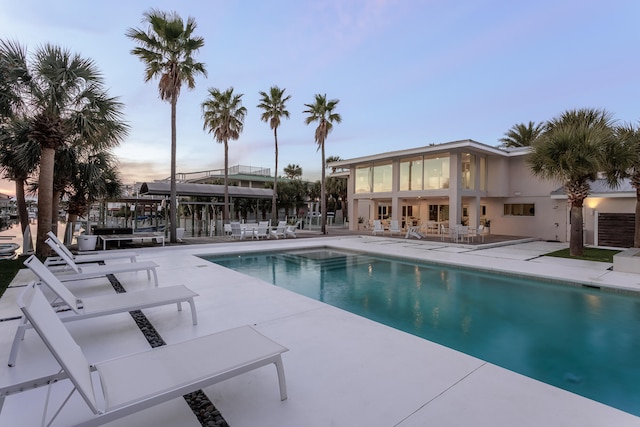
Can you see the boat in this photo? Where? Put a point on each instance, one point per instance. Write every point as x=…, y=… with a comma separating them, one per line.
x=8, y=250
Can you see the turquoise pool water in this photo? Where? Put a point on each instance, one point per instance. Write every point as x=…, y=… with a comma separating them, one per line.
x=583, y=340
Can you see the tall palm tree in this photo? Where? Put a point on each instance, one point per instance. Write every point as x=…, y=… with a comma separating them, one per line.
x=322, y=112
x=14, y=125
x=572, y=150
x=67, y=104
x=223, y=116
x=623, y=161
x=274, y=108
x=522, y=135
x=167, y=47
x=292, y=171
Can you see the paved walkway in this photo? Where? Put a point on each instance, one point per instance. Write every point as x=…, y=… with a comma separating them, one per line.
x=342, y=369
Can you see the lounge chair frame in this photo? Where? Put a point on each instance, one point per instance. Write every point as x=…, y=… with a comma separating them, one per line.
x=142, y=380
x=86, y=308
x=88, y=272
x=85, y=258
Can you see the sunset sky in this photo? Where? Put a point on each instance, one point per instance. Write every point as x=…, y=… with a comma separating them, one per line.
x=408, y=73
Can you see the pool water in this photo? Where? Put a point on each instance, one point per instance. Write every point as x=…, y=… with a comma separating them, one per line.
x=583, y=340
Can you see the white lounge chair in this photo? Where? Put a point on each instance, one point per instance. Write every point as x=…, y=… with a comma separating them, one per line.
x=290, y=230
x=85, y=308
x=88, y=258
x=377, y=227
x=394, y=227
x=414, y=232
x=139, y=381
x=280, y=230
x=91, y=271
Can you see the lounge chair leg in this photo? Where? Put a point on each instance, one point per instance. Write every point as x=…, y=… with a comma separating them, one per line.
x=179, y=305
x=16, y=341
x=155, y=275
x=281, y=380
x=194, y=314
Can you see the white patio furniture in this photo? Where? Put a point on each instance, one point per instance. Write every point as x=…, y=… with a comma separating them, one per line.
x=142, y=380
x=377, y=227
x=414, y=232
x=86, y=308
x=78, y=272
x=262, y=232
x=280, y=230
x=85, y=258
x=394, y=227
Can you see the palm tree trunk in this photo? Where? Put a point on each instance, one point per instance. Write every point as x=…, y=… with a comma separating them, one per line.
x=55, y=207
x=225, y=215
x=576, y=243
x=274, y=206
x=21, y=203
x=45, y=196
x=323, y=210
x=173, y=192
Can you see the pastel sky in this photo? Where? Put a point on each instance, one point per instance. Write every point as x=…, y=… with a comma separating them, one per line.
x=408, y=73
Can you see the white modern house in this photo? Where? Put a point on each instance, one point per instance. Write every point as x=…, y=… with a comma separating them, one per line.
x=467, y=182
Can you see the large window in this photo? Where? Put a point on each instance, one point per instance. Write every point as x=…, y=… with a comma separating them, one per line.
x=382, y=178
x=468, y=171
x=436, y=172
x=363, y=179
x=411, y=174
x=519, y=209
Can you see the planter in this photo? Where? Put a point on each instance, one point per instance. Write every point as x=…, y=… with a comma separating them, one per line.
x=87, y=242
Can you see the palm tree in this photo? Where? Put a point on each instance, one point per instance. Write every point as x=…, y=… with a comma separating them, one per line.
x=274, y=108
x=623, y=161
x=166, y=47
x=322, y=112
x=67, y=104
x=292, y=171
x=572, y=150
x=522, y=135
x=19, y=158
x=224, y=115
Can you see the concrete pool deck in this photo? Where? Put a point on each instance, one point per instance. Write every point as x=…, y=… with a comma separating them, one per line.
x=341, y=370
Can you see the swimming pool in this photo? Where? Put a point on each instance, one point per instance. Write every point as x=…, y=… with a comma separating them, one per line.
x=579, y=339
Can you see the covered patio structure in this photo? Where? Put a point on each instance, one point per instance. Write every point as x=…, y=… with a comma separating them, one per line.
x=201, y=203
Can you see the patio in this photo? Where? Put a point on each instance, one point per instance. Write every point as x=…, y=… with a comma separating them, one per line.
x=341, y=369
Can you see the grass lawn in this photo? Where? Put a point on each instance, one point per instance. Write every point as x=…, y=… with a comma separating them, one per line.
x=590, y=254
x=8, y=270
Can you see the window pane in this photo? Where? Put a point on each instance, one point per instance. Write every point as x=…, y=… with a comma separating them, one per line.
x=382, y=178
x=411, y=174
x=468, y=171
x=436, y=173
x=363, y=179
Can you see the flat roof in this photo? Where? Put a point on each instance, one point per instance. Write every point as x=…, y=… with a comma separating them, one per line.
x=204, y=190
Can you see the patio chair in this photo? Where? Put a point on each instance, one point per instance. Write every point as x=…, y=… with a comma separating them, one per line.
x=237, y=232
x=86, y=308
x=414, y=232
x=280, y=230
x=377, y=227
x=290, y=230
x=394, y=227
x=262, y=232
x=138, y=381
x=92, y=271
x=88, y=258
